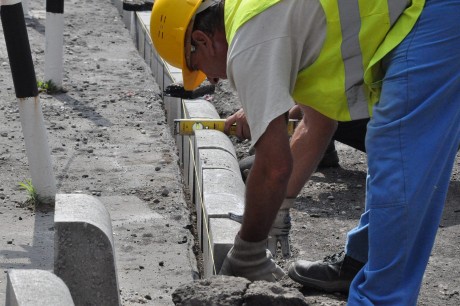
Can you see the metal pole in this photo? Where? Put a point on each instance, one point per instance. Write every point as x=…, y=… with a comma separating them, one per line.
x=25, y=85
x=54, y=37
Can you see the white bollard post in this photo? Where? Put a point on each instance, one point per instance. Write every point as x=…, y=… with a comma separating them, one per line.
x=54, y=39
x=37, y=150
x=25, y=85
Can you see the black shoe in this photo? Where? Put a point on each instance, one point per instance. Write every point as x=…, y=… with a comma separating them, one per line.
x=246, y=165
x=330, y=160
x=333, y=274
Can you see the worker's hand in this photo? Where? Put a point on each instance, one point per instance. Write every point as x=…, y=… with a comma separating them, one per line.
x=251, y=260
x=279, y=232
x=242, y=126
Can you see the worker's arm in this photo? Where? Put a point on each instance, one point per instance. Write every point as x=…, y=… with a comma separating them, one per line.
x=265, y=191
x=267, y=183
x=308, y=144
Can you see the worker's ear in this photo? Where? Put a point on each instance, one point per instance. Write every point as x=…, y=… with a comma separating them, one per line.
x=203, y=40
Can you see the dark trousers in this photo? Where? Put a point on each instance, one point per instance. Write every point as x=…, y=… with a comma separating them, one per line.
x=351, y=133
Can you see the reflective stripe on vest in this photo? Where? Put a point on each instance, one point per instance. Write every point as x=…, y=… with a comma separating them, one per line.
x=334, y=83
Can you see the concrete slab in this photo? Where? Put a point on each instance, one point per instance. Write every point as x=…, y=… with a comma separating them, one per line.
x=200, y=108
x=218, y=205
x=84, y=250
x=33, y=287
x=212, y=139
x=221, y=194
x=217, y=243
x=144, y=17
x=211, y=158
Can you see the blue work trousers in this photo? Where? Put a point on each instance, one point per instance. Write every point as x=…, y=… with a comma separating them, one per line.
x=411, y=143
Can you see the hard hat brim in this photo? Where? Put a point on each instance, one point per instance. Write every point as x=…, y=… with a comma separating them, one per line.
x=192, y=79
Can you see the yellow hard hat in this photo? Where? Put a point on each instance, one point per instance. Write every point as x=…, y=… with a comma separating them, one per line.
x=168, y=26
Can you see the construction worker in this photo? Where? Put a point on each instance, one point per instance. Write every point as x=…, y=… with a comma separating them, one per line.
x=351, y=133
x=340, y=60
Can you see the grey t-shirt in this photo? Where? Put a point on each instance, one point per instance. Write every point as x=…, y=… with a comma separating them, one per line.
x=266, y=54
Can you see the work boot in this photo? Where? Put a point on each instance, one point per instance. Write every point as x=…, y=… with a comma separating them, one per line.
x=330, y=158
x=332, y=274
x=246, y=165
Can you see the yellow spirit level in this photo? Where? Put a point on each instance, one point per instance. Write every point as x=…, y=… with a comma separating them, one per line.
x=188, y=126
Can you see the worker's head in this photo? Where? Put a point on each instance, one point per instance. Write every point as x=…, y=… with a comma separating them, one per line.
x=190, y=35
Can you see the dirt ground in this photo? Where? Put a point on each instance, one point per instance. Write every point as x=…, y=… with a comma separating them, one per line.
x=330, y=205
x=108, y=137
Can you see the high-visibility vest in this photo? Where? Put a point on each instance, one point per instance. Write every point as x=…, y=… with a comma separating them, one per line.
x=344, y=82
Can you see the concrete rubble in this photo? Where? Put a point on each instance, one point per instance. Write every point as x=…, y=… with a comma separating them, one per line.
x=235, y=291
